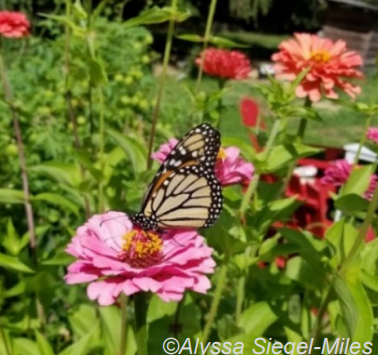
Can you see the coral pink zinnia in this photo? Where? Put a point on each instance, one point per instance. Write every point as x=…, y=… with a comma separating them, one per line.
x=338, y=174
x=372, y=135
x=230, y=168
x=330, y=64
x=116, y=258
x=14, y=24
x=224, y=63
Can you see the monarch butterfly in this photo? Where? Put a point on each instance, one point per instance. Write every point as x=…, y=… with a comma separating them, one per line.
x=185, y=192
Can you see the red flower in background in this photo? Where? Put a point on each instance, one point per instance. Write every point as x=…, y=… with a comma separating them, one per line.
x=330, y=64
x=14, y=24
x=224, y=63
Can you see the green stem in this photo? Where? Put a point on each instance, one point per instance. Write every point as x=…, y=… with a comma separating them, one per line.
x=254, y=182
x=300, y=135
x=322, y=310
x=140, y=306
x=362, y=140
x=239, y=298
x=167, y=53
x=124, y=325
x=22, y=161
x=209, y=24
x=5, y=341
x=215, y=301
x=101, y=151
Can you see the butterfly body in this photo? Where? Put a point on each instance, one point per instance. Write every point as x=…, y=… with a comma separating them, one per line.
x=185, y=192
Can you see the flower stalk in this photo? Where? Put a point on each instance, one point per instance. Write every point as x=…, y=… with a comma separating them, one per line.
x=163, y=76
x=206, y=40
x=22, y=161
x=254, y=182
x=140, y=306
x=362, y=140
x=215, y=301
x=124, y=325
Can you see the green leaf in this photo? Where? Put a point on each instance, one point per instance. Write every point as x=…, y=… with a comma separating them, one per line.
x=157, y=15
x=44, y=346
x=67, y=22
x=11, y=196
x=191, y=38
x=257, y=318
x=282, y=155
x=158, y=309
x=78, y=11
x=369, y=280
x=226, y=43
x=358, y=181
x=351, y=203
x=134, y=152
x=10, y=262
x=11, y=241
x=60, y=259
x=60, y=172
x=58, y=200
x=82, y=320
x=85, y=344
x=341, y=236
x=348, y=306
x=24, y=346
x=97, y=72
x=16, y=290
x=112, y=335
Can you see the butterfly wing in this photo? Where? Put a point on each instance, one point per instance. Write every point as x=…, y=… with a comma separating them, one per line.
x=185, y=192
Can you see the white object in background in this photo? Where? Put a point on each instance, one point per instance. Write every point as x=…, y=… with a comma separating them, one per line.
x=266, y=68
x=306, y=173
x=365, y=155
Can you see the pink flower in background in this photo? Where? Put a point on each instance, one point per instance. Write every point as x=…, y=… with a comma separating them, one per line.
x=330, y=64
x=372, y=135
x=14, y=24
x=224, y=63
x=230, y=168
x=164, y=150
x=338, y=174
x=114, y=258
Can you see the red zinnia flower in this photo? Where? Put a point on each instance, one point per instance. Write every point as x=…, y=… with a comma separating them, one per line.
x=224, y=63
x=14, y=24
x=330, y=63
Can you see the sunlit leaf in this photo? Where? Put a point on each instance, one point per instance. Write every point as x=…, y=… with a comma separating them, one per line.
x=10, y=262
x=11, y=196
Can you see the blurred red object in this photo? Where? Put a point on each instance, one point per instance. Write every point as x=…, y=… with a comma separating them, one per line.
x=249, y=111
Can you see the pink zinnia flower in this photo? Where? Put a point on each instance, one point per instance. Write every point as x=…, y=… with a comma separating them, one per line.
x=224, y=63
x=114, y=257
x=338, y=174
x=330, y=63
x=372, y=135
x=230, y=168
x=14, y=24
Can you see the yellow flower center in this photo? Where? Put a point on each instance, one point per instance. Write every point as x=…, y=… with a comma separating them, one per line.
x=221, y=154
x=320, y=57
x=141, y=249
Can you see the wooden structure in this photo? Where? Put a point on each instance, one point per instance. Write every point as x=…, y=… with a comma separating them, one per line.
x=355, y=22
